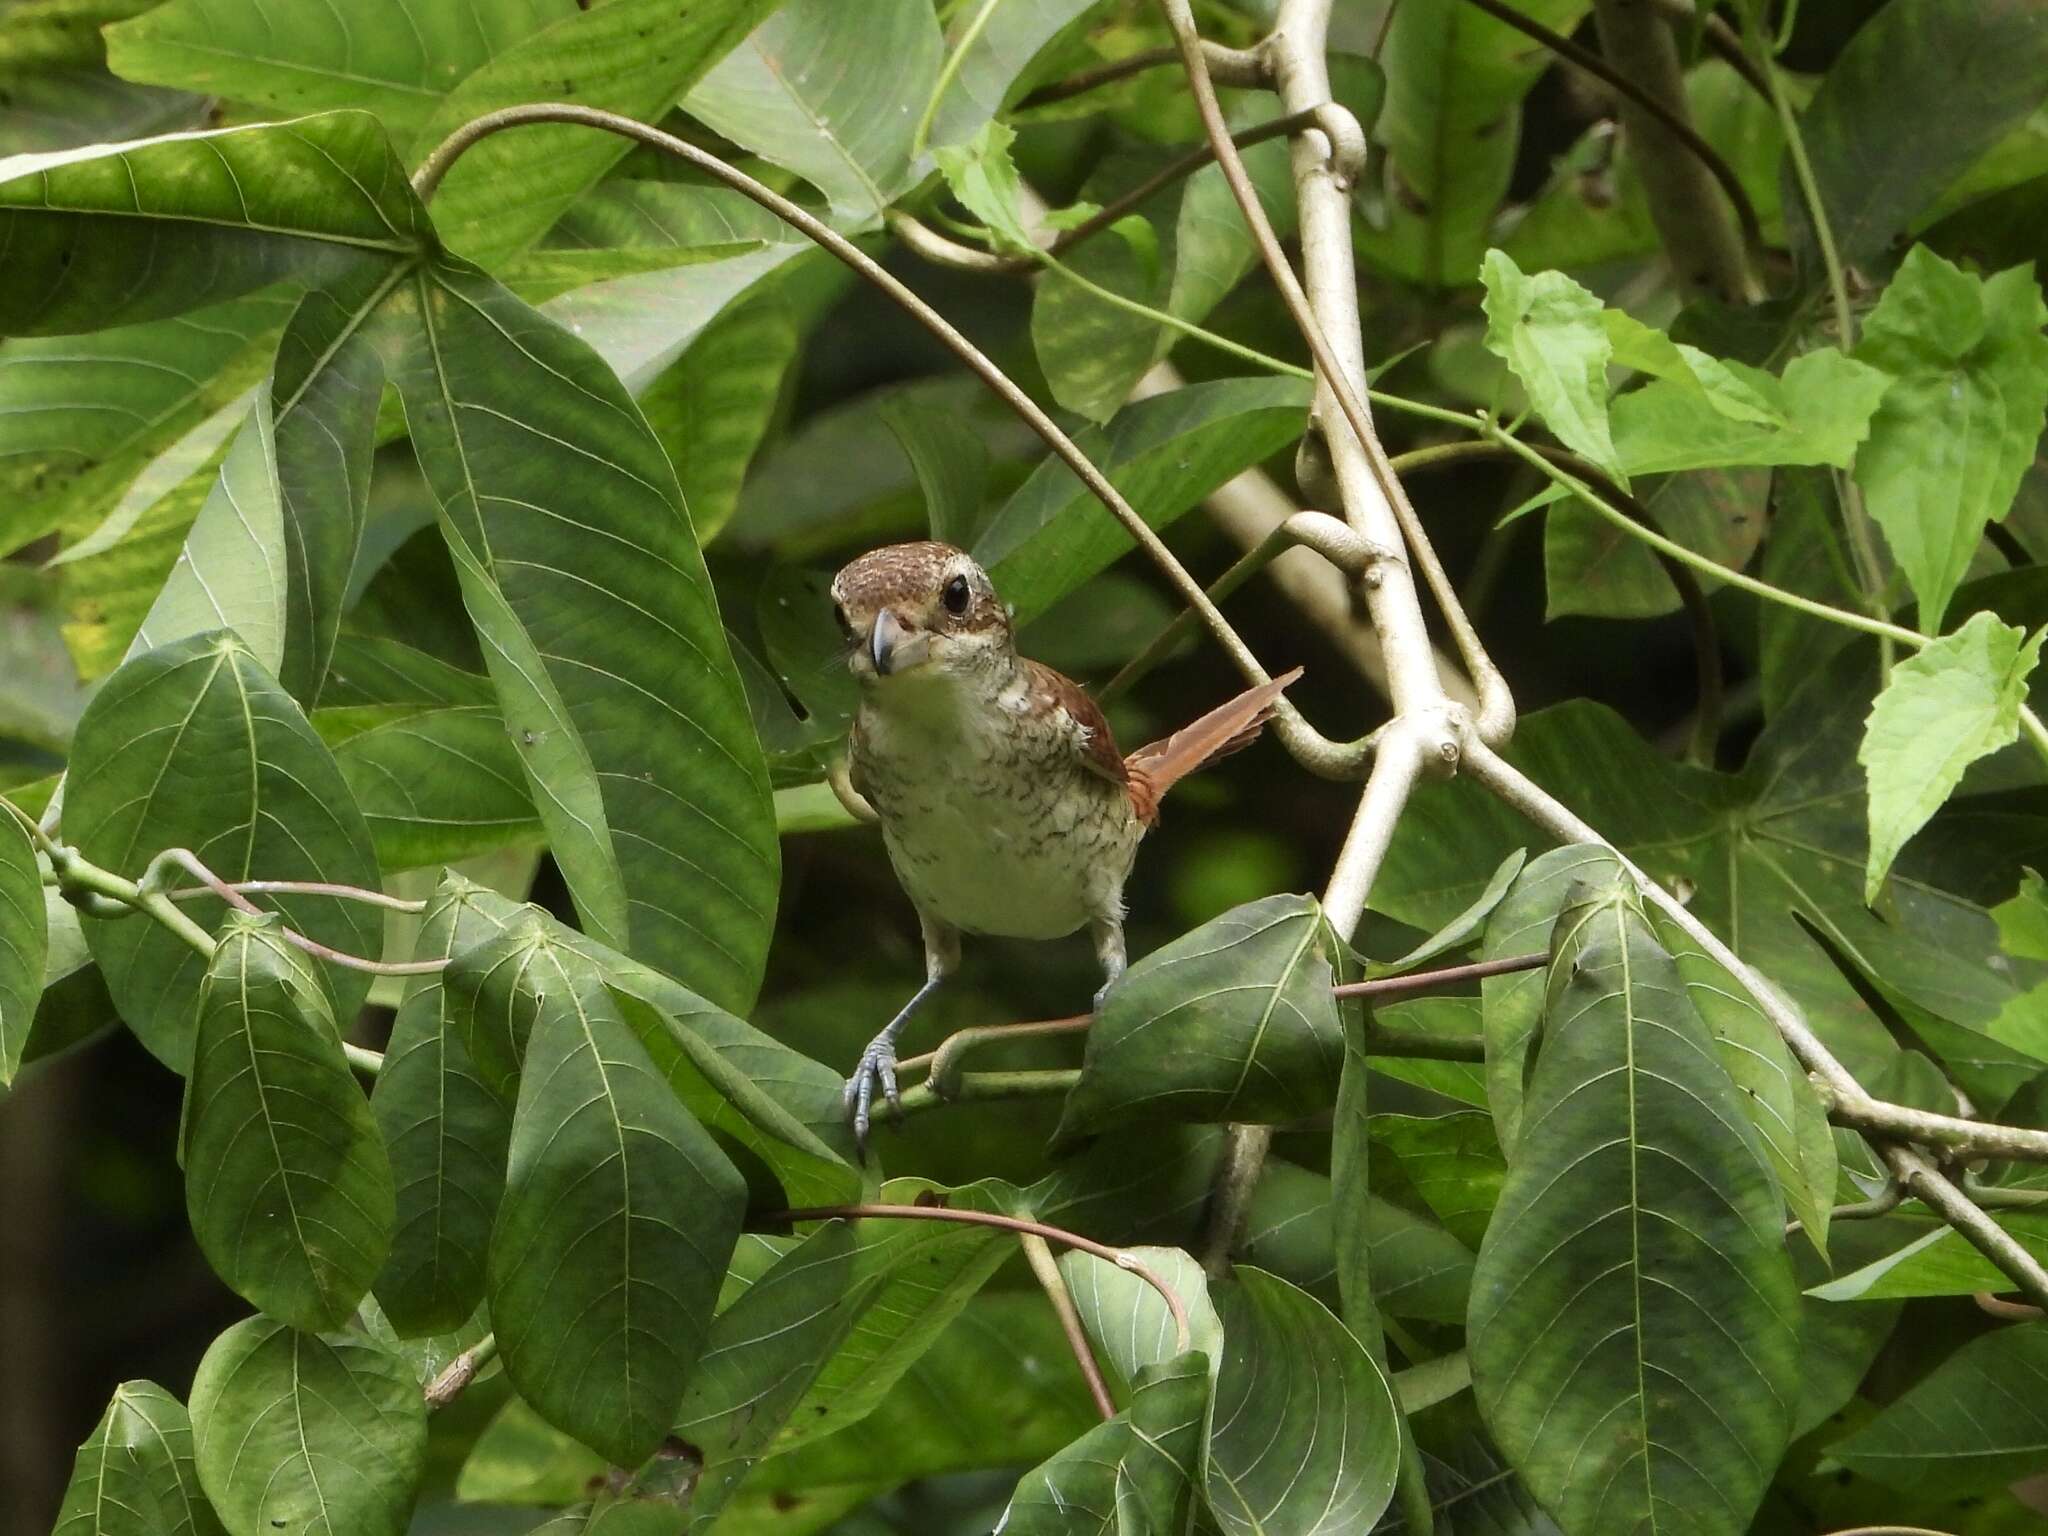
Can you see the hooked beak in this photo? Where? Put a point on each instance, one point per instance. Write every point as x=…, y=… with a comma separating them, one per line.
x=894, y=646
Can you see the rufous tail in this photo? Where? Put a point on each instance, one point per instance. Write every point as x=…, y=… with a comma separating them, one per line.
x=1156, y=767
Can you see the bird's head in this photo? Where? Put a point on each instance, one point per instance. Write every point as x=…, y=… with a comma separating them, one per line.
x=922, y=610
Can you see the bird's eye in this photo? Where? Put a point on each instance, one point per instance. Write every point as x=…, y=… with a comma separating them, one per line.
x=845, y=624
x=955, y=596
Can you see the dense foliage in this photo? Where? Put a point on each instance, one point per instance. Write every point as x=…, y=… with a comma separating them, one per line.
x=423, y=694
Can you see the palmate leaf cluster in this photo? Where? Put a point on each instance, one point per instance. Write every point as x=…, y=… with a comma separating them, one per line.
x=472, y=549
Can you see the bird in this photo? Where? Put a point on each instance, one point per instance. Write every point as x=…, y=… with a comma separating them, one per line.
x=1005, y=807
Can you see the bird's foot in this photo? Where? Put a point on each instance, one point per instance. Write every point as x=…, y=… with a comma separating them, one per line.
x=877, y=1068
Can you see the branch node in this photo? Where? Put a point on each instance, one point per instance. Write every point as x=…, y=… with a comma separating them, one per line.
x=1347, y=143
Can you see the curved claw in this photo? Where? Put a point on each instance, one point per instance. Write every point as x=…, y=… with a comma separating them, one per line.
x=877, y=1065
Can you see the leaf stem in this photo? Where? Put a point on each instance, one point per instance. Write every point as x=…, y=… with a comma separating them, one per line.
x=1039, y=1256
x=1174, y=322
x=1019, y=1224
x=1233, y=66
x=304, y=888
x=460, y=1372
x=948, y=73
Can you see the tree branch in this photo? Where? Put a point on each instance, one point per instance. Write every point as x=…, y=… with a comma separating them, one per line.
x=1039, y=1256
x=1232, y=66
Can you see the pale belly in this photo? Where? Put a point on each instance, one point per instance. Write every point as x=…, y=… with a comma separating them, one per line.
x=1026, y=851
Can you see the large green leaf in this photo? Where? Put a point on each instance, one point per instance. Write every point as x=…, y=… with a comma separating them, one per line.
x=1942, y=709
x=1164, y=454
x=24, y=943
x=81, y=418
x=618, y=1216
x=1304, y=1435
x=633, y=57
x=1634, y=1322
x=286, y=1178
x=1455, y=82
x=602, y=633
x=1823, y=405
x=1977, y=67
x=1233, y=1021
x=1134, y=1473
x=763, y=1352
x=1977, y=1422
x=395, y=58
x=320, y=1434
x=116, y=234
x=194, y=746
x=134, y=1475
x=447, y=1134
x=797, y=94
x=1960, y=424
x=435, y=783
x=1130, y=1325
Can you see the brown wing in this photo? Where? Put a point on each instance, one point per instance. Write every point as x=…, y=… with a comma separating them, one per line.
x=1097, y=746
x=1157, y=766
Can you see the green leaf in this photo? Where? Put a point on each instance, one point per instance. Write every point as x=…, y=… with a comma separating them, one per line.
x=1713, y=382
x=1134, y=1473
x=1973, y=66
x=447, y=1134
x=1553, y=334
x=1304, y=1435
x=1945, y=706
x=115, y=234
x=74, y=1004
x=24, y=943
x=1129, y=1324
x=286, y=1178
x=522, y=1459
x=435, y=785
x=618, y=1216
x=951, y=464
x=1463, y=928
x=1455, y=82
x=713, y=406
x=1452, y=1161
x=134, y=1475
x=1975, y=1423
x=1246, y=1001
x=985, y=182
x=321, y=1434
x=1826, y=400
x=392, y=57
x=1958, y=428
x=1938, y=1262
x=580, y=571
x=81, y=418
x=195, y=746
x=1094, y=352
x=794, y=94
x=993, y=45
x=1633, y=1325
x=1164, y=454
x=763, y=1352
x=633, y=57
x=1513, y=1004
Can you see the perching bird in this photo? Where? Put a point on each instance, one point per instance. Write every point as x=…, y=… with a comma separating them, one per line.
x=1005, y=805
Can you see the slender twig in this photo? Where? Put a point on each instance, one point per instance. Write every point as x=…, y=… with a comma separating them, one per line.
x=1064, y=1238
x=2007, y=1311
x=1232, y=66
x=943, y=1064
x=1307, y=745
x=460, y=1372
x=1679, y=129
x=1887, y=1200
x=1425, y=981
x=304, y=888
x=367, y=1063
x=1039, y=1256
x=185, y=859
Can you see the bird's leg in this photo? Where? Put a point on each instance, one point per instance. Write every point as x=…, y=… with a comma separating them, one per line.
x=1109, y=949
x=878, y=1061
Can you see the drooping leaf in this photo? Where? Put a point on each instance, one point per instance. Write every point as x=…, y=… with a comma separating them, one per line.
x=763, y=1352
x=1245, y=1002
x=286, y=1179
x=1294, y=1381
x=1130, y=1325
x=202, y=714
x=1944, y=707
x=1975, y=1423
x=794, y=94
x=1960, y=423
x=395, y=58
x=1134, y=1473
x=135, y=1475
x=1462, y=929
x=117, y=234
x=1552, y=333
x=1976, y=66
x=1164, y=454
x=447, y=1134
x=993, y=43
x=1937, y=1262
x=435, y=784
x=633, y=57
x=951, y=464
x=1825, y=399
x=1633, y=1325
x=580, y=571
x=324, y=1434
x=24, y=943
x=618, y=1216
